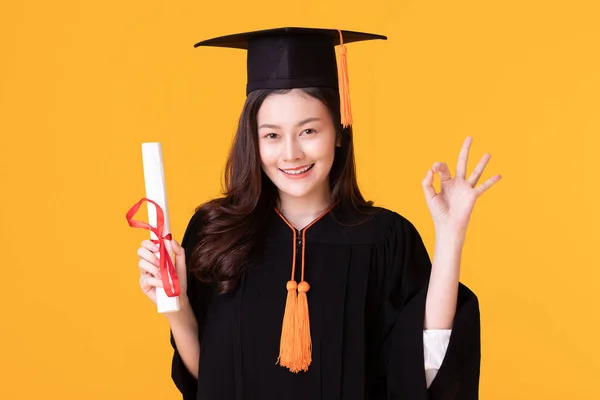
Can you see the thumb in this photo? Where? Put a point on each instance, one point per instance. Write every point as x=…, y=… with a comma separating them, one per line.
x=179, y=254
x=427, y=184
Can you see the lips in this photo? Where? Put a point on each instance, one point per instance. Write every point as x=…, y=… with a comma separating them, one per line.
x=297, y=171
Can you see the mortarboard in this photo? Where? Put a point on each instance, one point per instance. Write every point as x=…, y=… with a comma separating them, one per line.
x=287, y=58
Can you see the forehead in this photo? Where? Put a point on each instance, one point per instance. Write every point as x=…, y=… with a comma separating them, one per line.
x=290, y=107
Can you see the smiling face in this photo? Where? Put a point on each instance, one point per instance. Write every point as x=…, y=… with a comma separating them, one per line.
x=296, y=140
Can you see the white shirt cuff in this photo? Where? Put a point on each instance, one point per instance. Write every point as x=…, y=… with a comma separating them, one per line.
x=435, y=344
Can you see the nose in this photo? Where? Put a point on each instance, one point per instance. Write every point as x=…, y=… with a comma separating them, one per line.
x=292, y=149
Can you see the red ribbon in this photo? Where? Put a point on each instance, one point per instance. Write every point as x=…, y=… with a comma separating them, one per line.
x=165, y=262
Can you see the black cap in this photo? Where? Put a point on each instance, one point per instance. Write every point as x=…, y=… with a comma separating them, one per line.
x=286, y=58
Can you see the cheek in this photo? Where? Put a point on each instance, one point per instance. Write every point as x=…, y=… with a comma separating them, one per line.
x=268, y=155
x=323, y=150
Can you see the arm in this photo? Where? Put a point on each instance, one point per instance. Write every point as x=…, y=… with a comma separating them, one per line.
x=442, y=295
x=451, y=210
x=184, y=328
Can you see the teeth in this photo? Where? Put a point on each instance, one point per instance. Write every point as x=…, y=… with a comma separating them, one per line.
x=299, y=171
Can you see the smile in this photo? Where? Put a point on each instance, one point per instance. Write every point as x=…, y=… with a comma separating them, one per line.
x=297, y=171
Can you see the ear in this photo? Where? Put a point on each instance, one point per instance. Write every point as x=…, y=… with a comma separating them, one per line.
x=338, y=140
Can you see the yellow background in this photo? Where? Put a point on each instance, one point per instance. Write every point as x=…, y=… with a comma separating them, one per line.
x=83, y=84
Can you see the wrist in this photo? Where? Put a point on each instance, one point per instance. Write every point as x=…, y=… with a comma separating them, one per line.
x=185, y=308
x=184, y=301
x=450, y=235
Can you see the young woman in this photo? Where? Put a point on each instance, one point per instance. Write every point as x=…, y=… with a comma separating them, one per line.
x=293, y=285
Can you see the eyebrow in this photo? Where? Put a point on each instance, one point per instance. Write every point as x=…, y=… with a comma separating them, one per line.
x=299, y=124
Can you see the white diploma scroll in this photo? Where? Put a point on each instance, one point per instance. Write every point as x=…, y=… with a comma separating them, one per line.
x=154, y=178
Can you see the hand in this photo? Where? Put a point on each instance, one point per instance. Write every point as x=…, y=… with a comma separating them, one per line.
x=451, y=208
x=150, y=277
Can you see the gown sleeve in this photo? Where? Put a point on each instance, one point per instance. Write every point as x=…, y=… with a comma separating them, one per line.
x=185, y=382
x=404, y=268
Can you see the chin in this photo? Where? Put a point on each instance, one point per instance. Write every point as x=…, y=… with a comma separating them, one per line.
x=295, y=192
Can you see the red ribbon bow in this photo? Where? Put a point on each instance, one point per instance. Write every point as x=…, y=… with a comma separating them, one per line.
x=165, y=262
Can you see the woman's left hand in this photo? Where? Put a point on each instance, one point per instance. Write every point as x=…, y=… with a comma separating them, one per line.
x=451, y=208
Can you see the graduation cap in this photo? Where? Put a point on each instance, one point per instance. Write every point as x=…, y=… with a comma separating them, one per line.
x=287, y=58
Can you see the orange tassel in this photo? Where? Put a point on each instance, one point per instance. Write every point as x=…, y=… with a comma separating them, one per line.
x=288, y=329
x=295, y=347
x=303, y=351
x=344, y=83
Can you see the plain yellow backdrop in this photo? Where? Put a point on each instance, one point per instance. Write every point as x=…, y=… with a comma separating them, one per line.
x=83, y=84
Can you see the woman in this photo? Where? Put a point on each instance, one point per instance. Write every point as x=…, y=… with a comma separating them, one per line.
x=293, y=285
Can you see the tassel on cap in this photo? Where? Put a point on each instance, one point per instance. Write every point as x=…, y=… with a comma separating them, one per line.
x=343, y=82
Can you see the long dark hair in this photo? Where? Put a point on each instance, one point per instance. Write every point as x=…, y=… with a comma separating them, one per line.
x=231, y=224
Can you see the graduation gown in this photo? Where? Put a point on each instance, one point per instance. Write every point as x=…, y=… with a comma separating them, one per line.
x=368, y=284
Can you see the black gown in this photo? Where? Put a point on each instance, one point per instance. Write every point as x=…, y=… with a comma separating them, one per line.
x=366, y=303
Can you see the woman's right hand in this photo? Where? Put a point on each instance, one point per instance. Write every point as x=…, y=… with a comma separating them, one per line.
x=150, y=277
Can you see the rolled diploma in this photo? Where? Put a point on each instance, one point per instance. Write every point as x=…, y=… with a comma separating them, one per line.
x=154, y=178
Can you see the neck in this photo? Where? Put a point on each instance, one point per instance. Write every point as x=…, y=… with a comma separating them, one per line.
x=301, y=211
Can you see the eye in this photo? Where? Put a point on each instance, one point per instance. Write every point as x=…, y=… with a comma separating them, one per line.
x=309, y=131
x=271, y=136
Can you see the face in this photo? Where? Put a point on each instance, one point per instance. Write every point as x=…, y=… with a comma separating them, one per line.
x=297, y=142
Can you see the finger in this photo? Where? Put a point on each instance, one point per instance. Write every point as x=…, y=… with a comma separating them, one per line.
x=487, y=184
x=146, y=254
x=476, y=174
x=442, y=169
x=147, y=267
x=461, y=166
x=150, y=245
x=427, y=184
x=147, y=280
